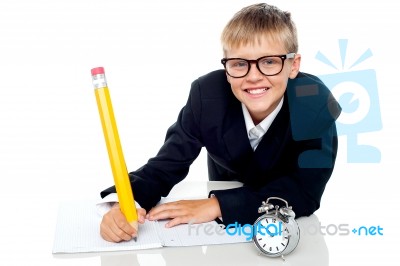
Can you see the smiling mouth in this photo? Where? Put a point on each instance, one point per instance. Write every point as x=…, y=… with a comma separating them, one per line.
x=256, y=91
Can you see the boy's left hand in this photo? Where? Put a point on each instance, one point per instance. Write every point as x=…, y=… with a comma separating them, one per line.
x=185, y=211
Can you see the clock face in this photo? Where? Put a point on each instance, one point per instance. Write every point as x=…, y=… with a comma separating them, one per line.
x=271, y=235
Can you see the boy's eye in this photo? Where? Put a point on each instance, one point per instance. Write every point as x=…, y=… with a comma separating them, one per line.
x=238, y=64
x=269, y=61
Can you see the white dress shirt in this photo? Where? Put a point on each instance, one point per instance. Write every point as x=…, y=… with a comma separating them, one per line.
x=256, y=132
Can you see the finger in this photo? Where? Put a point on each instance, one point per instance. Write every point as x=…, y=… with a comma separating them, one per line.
x=117, y=234
x=177, y=221
x=104, y=234
x=165, y=207
x=123, y=228
x=116, y=226
x=107, y=231
x=108, y=234
x=141, y=215
x=166, y=214
x=160, y=208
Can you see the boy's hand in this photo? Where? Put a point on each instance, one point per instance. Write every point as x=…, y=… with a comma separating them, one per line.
x=115, y=228
x=185, y=211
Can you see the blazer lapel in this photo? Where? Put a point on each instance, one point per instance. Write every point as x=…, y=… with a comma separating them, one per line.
x=270, y=146
x=235, y=138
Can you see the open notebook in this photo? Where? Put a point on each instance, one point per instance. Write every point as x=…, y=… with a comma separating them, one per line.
x=77, y=231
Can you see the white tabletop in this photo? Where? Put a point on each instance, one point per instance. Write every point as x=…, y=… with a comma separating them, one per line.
x=312, y=249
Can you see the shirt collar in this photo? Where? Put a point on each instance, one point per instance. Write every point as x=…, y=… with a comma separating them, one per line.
x=258, y=131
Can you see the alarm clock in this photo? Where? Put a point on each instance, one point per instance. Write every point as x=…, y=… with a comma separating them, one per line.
x=276, y=233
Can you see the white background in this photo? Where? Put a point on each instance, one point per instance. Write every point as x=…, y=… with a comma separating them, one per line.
x=51, y=143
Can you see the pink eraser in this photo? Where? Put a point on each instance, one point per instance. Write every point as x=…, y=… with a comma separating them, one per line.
x=97, y=71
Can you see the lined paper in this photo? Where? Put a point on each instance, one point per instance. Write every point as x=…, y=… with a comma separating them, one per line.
x=77, y=231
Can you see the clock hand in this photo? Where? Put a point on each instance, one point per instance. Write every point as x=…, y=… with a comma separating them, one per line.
x=269, y=233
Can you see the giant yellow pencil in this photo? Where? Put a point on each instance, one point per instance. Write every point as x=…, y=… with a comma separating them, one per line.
x=117, y=161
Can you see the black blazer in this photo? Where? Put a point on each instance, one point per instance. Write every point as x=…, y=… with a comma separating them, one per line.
x=294, y=160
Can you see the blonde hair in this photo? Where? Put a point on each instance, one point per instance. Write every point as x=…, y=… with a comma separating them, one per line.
x=253, y=22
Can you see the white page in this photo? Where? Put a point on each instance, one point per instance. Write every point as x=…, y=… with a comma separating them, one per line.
x=77, y=230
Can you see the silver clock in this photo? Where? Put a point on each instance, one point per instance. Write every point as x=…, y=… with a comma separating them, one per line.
x=276, y=233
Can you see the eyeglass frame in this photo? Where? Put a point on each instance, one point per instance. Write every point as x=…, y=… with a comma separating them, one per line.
x=256, y=61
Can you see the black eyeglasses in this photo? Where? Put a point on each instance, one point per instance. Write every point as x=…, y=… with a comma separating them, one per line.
x=270, y=65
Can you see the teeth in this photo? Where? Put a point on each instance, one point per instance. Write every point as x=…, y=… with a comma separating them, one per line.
x=257, y=91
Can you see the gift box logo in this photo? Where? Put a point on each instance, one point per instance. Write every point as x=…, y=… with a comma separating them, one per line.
x=357, y=93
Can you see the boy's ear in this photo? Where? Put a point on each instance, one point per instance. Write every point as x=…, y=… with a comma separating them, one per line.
x=295, y=68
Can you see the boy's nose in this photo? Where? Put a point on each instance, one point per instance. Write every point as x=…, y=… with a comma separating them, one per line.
x=254, y=74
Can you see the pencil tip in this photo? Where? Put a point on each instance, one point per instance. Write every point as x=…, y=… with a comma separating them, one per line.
x=135, y=239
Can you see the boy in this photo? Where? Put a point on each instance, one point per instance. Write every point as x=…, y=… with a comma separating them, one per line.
x=263, y=123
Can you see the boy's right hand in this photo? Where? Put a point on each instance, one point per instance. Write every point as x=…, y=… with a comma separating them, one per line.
x=115, y=228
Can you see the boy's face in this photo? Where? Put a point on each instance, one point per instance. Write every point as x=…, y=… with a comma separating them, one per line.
x=259, y=93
